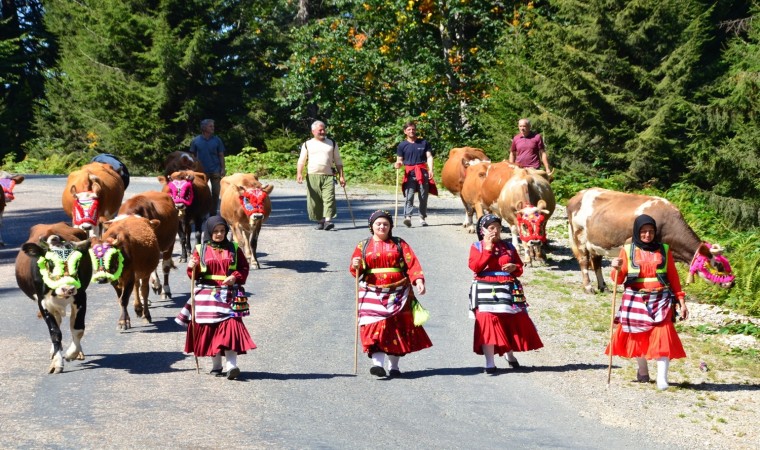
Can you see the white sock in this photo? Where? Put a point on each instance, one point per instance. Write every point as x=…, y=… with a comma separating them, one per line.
x=216, y=361
x=378, y=359
x=231, y=359
x=662, y=373
x=511, y=357
x=393, y=360
x=488, y=351
x=643, y=366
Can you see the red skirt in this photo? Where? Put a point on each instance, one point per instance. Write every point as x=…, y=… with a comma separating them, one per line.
x=506, y=332
x=395, y=335
x=661, y=341
x=211, y=338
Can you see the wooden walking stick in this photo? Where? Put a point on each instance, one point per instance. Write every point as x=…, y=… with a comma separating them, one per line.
x=349, y=206
x=194, y=329
x=612, y=329
x=395, y=214
x=356, y=323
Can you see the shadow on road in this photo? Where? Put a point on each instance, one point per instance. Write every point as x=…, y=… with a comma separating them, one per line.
x=290, y=376
x=298, y=265
x=141, y=363
x=717, y=387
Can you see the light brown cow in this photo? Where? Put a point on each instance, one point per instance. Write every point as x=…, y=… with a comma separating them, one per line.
x=601, y=221
x=92, y=195
x=472, y=193
x=527, y=202
x=192, y=197
x=126, y=256
x=159, y=206
x=454, y=171
x=245, y=206
x=7, y=183
x=61, y=284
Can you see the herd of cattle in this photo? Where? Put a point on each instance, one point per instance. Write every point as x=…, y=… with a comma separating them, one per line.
x=121, y=243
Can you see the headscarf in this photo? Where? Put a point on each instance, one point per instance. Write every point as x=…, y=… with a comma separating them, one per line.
x=208, y=229
x=483, y=223
x=378, y=214
x=637, y=224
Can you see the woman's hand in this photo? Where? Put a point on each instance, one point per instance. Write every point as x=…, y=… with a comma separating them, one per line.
x=509, y=267
x=420, y=285
x=192, y=263
x=356, y=262
x=684, y=311
x=230, y=280
x=616, y=263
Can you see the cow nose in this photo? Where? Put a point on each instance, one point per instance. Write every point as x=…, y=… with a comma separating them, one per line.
x=258, y=216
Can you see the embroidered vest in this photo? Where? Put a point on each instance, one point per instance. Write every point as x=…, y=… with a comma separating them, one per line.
x=202, y=252
x=634, y=270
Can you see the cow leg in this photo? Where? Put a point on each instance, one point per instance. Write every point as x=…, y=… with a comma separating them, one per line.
x=583, y=261
x=142, y=309
x=56, y=350
x=468, y=212
x=2, y=243
x=596, y=264
x=255, y=243
x=183, y=230
x=123, y=293
x=166, y=265
x=76, y=325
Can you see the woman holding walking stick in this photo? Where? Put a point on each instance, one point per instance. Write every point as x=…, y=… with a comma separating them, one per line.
x=388, y=268
x=221, y=269
x=647, y=308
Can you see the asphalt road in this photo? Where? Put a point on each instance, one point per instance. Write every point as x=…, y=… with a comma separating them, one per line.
x=136, y=389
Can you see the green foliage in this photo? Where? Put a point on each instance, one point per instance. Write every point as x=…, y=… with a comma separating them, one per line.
x=747, y=329
x=270, y=164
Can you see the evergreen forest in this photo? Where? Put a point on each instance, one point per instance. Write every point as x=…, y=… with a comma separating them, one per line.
x=655, y=96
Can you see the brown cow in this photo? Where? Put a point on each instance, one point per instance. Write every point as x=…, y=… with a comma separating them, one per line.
x=454, y=171
x=482, y=186
x=192, y=198
x=527, y=202
x=472, y=193
x=7, y=183
x=245, y=206
x=601, y=221
x=92, y=195
x=62, y=283
x=159, y=206
x=126, y=256
x=177, y=161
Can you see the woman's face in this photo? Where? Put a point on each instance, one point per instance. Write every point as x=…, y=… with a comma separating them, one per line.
x=218, y=233
x=381, y=228
x=646, y=233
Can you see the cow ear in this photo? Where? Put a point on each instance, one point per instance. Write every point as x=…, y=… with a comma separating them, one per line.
x=32, y=249
x=18, y=179
x=240, y=189
x=268, y=188
x=154, y=223
x=162, y=179
x=518, y=205
x=704, y=250
x=465, y=162
x=73, y=190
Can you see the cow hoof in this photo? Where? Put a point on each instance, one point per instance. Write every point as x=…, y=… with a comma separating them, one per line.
x=471, y=230
x=55, y=369
x=124, y=325
x=589, y=290
x=148, y=319
x=75, y=356
x=183, y=259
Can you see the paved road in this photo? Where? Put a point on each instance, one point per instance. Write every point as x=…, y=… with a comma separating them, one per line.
x=297, y=390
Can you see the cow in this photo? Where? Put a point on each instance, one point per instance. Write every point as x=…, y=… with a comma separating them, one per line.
x=159, y=206
x=192, y=198
x=245, y=205
x=601, y=221
x=527, y=202
x=125, y=256
x=92, y=195
x=53, y=269
x=454, y=171
x=472, y=193
x=7, y=182
x=179, y=160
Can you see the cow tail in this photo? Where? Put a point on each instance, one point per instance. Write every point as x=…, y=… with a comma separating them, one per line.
x=571, y=232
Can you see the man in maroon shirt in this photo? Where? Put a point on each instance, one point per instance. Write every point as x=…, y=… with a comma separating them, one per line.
x=528, y=148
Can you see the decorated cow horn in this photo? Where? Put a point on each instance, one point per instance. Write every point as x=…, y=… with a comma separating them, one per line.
x=716, y=249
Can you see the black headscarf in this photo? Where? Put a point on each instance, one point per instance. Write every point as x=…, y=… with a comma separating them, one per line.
x=483, y=223
x=378, y=214
x=637, y=224
x=208, y=230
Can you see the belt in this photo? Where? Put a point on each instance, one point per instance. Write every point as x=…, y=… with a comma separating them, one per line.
x=650, y=291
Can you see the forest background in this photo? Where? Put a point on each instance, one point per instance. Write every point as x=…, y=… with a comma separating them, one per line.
x=654, y=96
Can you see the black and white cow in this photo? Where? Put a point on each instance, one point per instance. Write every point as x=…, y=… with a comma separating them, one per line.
x=53, y=268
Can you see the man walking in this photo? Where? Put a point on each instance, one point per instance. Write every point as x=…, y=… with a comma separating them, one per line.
x=528, y=149
x=416, y=156
x=321, y=153
x=209, y=150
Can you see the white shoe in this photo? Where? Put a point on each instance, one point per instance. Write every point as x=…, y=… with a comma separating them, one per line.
x=423, y=223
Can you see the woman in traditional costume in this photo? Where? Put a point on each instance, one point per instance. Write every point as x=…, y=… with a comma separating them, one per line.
x=502, y=323
x=645, y=319
x=387, y=268
x=220, y=300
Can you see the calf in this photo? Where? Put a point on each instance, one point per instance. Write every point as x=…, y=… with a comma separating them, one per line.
x=159, y=206
x=52, y=269
x=7, y=182
x=92, y=195
x=245, y=206
x=192, y=197
x=601, y=221
x=125, y=256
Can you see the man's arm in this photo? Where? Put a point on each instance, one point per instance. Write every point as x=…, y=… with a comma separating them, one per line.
x=545, y=161
x=399, y=162
x=301, y=162
x=512, y=152
x=429, y=163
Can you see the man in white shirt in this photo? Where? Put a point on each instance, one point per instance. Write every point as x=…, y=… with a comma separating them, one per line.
x=322, y=153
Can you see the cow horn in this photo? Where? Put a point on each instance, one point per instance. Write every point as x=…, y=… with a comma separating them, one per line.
x=716, y=249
